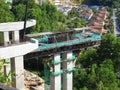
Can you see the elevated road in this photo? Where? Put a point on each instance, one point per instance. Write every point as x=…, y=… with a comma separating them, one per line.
x=56, y=32
x=49, y=45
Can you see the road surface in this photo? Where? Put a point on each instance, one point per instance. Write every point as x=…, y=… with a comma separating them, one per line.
x=115, y=22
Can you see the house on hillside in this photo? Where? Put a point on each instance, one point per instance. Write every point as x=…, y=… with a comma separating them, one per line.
x=97, y=27
x=97, y=22
x=86, y=14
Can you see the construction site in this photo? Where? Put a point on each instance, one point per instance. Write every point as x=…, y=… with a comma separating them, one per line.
x=56, y=49
x=58, y=45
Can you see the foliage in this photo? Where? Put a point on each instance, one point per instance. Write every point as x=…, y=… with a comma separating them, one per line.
x=6, y=79
x=19, y=11
x=94, y=10
x=77, y=23
x=5, y=13
x=73, y=13
x=47, y=16
x=99, y=66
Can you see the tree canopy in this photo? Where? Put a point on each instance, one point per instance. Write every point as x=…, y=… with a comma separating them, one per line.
x=5, y=13
x=99, y=66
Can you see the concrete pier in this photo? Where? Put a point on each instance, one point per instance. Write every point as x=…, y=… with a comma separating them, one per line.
x=6, y=42
x=17, y=66
x=15, y=36
x=67, y=76
x=18, y=70
x=55, y=78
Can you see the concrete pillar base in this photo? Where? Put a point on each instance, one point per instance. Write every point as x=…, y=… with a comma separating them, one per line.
x=67, y=76
x=18, y=69
x=7, y=68
x=55, y=80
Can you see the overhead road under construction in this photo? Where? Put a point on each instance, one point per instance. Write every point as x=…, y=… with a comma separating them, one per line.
x=56, y=32
x=60, y=46
x=60, y=41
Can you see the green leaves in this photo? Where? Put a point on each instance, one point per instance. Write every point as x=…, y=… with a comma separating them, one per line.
x=19, y=12
x=6, y=79
x=99, y=67
x=5, y=13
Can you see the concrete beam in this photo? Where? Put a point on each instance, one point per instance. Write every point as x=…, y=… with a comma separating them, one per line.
x=55, y=80
x=18, y=49
x=17, y=68
x=68, y=76
x=16, y=26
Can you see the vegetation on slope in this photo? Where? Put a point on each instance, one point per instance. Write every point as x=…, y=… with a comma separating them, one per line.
x=99, y=67
x=47, y=16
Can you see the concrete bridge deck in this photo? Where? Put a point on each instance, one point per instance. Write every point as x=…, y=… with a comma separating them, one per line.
x=53, y=43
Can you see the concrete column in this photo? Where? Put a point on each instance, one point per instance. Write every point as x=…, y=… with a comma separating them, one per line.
x=6, y=42
x=68, y=76
x=55, y=80
x=7, y=67
x=83, y=31
x=18, y=69
x=17, y=66
x=15, y=36
x=5, y=38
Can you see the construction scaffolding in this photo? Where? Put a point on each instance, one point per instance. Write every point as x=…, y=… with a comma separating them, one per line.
x=79, y=38
x=47, y=76
x=58, y=70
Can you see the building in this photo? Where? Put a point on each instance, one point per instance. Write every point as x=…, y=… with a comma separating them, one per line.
x=86, y=14
x=97, y=22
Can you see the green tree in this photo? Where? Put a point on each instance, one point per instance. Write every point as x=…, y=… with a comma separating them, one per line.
x=101, y=66
x=19, y=12
x=6, y=79
x=107, y=75
x=100, y=85
x=73, y=13
x=47, y=16
x=109, y=46
x=87, y=58
x=77, y=23
x=5, y=13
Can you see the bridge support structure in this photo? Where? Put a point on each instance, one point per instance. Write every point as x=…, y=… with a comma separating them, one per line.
x=67, y=67
x=6, y=41
x=13, y=50
x=15, y=63
x=61, y=71
x=55, y=78
x=17, y=67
